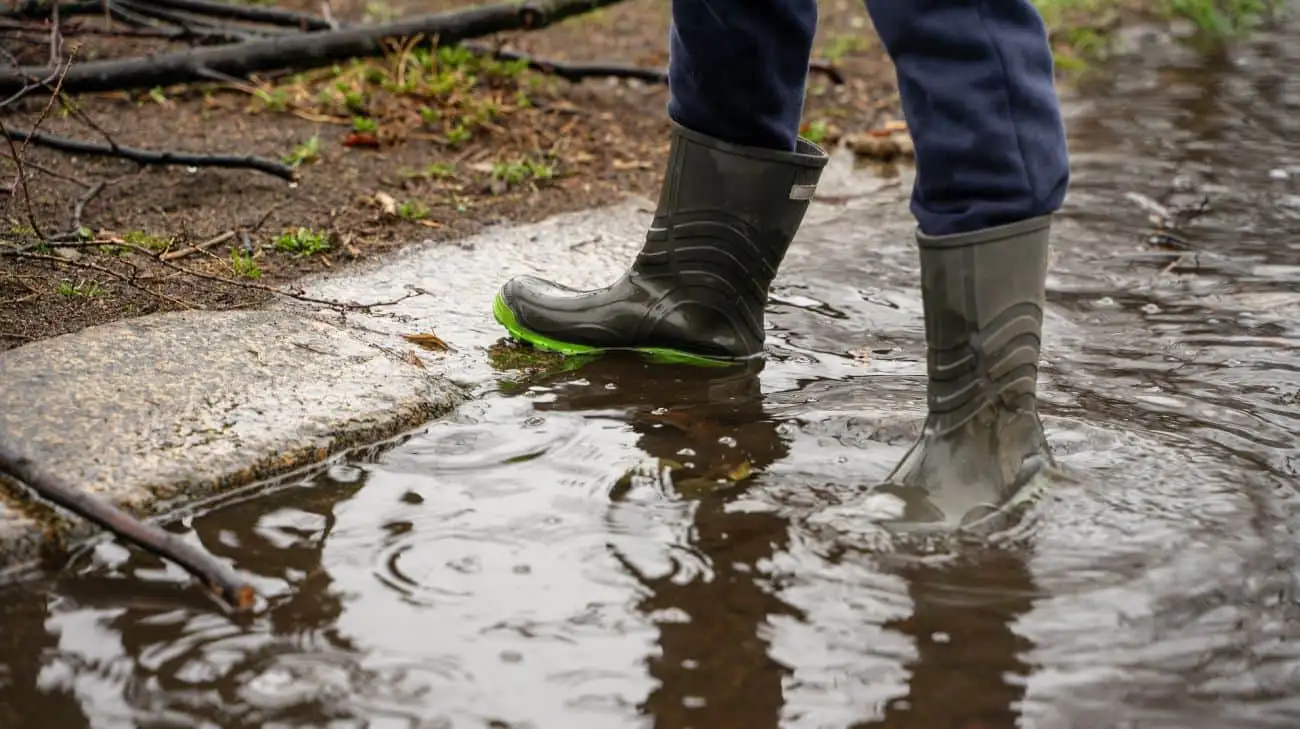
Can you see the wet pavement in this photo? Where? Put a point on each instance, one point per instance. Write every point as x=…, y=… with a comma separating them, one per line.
x=619, y=544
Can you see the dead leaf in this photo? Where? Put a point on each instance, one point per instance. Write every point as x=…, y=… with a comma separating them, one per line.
x=427, y=340
x=386, y=203
x=413, y=358
x=361, y=139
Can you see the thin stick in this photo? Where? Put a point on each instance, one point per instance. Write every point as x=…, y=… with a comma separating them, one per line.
x=52, y=173
x=177, y=255
x=149, y=157
x=80, y=206
x=128, y=280
x=232, y=589
x=341, y=305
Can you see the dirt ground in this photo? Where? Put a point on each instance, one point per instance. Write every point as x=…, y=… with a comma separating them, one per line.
x=461, y=143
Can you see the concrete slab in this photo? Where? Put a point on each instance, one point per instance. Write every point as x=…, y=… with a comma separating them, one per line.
x=160, y=411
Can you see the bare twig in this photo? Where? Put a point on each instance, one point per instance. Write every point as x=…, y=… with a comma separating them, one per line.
x=31, y=86
x=22, y=179
x=228, y=586
x=80, y=206
x=339, y=305
x=52, y=173
x=149, y=157
x=182, y=253
x=128, y=280
x=56, y=38
x=304, y=51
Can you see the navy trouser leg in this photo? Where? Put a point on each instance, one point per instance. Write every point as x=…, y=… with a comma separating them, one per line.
x=738, y=68
x=977, y=89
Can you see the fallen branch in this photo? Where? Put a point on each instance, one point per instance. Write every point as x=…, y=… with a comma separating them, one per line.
x=579, y=71
x=300, y=52
x=248, y=13
x=38, y=9
x=148, y=157
x=187, y=27
x=233, y=590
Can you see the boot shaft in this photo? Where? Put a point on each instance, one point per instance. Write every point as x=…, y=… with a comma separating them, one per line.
x=727, y=210
x=983, y=295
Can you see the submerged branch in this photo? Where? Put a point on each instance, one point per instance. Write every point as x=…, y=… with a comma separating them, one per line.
x=233, y=590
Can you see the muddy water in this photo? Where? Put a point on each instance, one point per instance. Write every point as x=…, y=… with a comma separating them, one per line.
x=622, y=545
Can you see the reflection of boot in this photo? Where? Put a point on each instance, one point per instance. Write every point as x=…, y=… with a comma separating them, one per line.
x=983, y=295
x=707, y=433
x=697, y=290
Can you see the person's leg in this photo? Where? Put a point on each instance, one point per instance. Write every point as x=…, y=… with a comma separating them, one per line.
x=738, y=69
x=737, y=184
x=976, y=80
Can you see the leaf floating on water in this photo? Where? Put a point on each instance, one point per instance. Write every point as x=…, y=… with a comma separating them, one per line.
x=427, y=340
x=741, y=472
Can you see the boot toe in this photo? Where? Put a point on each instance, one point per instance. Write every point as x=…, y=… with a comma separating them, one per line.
x=532, y=301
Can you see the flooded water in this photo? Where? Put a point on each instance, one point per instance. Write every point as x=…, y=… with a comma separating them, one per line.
x=619, y=544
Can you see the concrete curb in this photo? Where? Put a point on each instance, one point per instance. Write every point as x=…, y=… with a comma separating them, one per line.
x=161, y=411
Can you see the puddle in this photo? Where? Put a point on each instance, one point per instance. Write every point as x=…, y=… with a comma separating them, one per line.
x=624, y=545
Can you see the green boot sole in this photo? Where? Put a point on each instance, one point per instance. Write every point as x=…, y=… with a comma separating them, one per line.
x=506, y=318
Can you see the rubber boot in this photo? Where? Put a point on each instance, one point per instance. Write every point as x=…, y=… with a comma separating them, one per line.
x=983, y=294
x=697, y=290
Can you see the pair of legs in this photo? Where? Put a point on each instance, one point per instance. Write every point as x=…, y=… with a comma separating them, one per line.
x=976, y=80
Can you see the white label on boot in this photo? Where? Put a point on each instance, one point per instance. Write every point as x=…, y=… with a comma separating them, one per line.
x=802, y=192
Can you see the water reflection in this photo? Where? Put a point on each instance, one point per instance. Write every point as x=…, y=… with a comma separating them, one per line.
x=708, y=437
x=505, y=568
x=969, y=672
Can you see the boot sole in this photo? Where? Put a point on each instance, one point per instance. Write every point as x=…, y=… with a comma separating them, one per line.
x=506, y=318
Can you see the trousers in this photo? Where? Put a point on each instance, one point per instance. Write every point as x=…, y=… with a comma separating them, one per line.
x=976, y=80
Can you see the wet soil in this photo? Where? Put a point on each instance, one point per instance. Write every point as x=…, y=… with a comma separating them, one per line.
x=573, y=145
x=617, y=544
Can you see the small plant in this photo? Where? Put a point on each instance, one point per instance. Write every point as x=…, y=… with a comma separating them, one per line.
x=243, y=264
x=846, y=44
x=815, y=131
x=80, y=288
x=305, y=152
x=458, y=134
x=302, y=242
x=274, y=100
x=147, y=240
x=515, y=173
x=364, y=125
x=412, y=210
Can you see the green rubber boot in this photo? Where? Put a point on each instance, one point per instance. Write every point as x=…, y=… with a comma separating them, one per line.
x=983, y=295
x=697, y=290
